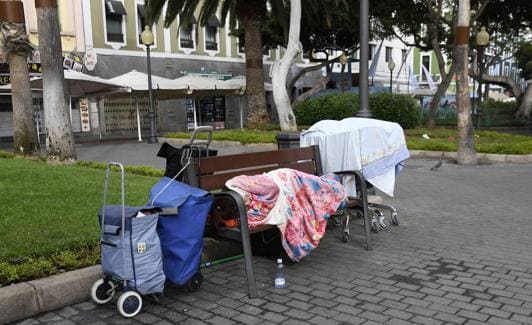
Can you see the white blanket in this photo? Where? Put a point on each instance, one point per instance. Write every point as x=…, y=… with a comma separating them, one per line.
x=374, y=147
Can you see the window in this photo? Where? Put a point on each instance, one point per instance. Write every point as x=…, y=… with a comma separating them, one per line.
x=425, y=61
x=211, y=33
x=141, y=21
x=404, y=53
x=241, y=43
x=114, y=17
x=371, y=51
x=186, y=36
x=388, y=54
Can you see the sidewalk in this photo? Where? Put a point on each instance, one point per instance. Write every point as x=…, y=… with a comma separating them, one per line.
x=461, y=255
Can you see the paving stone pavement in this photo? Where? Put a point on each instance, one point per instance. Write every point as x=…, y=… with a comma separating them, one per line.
x=460, y=256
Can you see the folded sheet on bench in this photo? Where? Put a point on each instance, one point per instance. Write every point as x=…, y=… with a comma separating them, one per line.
x=374, y=147
x=299, y=204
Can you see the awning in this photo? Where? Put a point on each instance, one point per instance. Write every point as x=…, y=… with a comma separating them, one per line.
x=213, y=21
x=115, y=7
x=190, y=20
x=140, y=9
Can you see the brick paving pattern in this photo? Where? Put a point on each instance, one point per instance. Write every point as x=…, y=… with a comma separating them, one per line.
x=462, y=255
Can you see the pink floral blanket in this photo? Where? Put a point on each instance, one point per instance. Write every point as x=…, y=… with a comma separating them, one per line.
x=296, y=202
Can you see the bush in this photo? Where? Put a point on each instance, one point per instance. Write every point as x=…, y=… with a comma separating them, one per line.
x=397, y=108
x=497, y=107
x=330, y=107
x=401, y=109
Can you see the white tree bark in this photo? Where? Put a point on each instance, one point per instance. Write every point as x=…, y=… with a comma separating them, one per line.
x=525, y=108
x=466, y=154
x=60, y=139
x=280, y=69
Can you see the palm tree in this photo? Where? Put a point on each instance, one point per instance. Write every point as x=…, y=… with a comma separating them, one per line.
x=16, y=47
x=250, y=14
x=60, y=139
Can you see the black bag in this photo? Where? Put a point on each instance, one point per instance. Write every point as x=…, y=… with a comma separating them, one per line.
x=173, y=157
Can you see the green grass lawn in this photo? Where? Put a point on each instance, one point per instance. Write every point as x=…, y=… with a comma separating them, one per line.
x=485, y=141
x=440, y=139
x=49, y=215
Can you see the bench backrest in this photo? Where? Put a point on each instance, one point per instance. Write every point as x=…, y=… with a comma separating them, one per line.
x=215, y=171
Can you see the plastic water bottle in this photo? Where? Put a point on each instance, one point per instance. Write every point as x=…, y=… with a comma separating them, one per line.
x=280, y=280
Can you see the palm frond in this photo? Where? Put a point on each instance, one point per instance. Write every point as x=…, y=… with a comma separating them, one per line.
x=172, y=10
x=153, y=10
x=228, y=8
x=208, y=9
x=189, y=9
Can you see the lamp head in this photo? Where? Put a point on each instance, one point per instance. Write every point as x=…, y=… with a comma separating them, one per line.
x=146, y=36
x=483, y=38
x=391, y=64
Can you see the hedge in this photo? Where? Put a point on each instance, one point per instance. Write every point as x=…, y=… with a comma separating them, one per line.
x=398, y=108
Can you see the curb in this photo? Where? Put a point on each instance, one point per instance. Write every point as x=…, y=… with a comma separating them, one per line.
x=27, y=299
x=30, y=298
x=482, y=157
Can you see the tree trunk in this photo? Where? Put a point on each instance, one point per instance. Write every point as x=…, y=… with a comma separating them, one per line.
x=60, y=139
x=320, y=85
x=525, y=107
x=435, y=104
x=257, y=113
x=280, y=68
x=24, y=133
x=466, y=154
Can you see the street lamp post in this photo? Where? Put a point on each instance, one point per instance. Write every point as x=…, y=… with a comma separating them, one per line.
x=147, y=39
x=363, y=63
x=482, y=40
x=391, y=66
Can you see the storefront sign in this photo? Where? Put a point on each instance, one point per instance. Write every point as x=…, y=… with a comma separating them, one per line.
x=84, y=114
x=90, y=59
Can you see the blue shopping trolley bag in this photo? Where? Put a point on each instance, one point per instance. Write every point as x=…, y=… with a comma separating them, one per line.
x=181, y=234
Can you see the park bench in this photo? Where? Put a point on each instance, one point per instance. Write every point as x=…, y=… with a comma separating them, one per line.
x=214, y=171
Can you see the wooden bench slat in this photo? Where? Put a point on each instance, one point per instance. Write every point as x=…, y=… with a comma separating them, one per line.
x=253, y=159
x=217, y=181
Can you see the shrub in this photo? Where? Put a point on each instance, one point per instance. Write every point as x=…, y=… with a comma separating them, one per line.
x=497, y=107
x=402, y=109
x=330, y=107
x=4, y=154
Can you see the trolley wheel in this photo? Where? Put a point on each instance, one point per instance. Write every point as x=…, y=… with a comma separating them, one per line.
x=395, y=219
x=345, y=237
x=374, y=226
x=129, y=304
x=195, y=282
x=102, y=291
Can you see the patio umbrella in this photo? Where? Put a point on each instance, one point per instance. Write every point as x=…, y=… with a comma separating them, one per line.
x=162, y=88
x=81, y=84
x=239, y=82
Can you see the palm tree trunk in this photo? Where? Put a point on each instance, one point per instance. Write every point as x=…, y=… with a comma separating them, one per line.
x=466, y=154
x=256, y=98
x=24, y=133
x=60, y=139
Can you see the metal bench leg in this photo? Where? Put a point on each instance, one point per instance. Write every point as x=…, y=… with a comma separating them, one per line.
x=246, y=244
x=364, y=197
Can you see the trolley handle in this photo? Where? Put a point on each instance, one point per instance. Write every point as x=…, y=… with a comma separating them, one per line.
x=122, y=195
x=201, y=129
